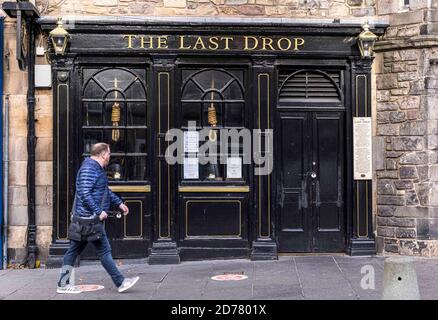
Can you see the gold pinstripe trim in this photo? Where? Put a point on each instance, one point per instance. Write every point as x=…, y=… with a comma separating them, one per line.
x=213, y=189
x=160, y=74
x=67, y=168
x=357, y=182
x=260, y=178
x=141, y=220
x=130, y=188
x=215, y=201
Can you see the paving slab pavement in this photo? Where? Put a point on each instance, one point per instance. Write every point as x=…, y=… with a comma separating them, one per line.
x=325, y=277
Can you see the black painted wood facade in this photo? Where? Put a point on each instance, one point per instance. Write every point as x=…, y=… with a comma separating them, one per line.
x=306, y=82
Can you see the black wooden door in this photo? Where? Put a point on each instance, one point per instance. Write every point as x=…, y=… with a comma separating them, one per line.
x=310, y=181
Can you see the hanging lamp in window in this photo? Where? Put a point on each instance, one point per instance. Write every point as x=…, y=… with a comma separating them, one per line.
x=115, y=115
x=213, y=169
x=115, y=119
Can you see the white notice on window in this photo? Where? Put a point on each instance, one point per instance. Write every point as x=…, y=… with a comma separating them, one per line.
x=362, y=148
x=234, y=168
x=191, y=168
x=191, y=141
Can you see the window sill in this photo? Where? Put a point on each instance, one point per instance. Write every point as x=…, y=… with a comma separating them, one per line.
x=123, y=188
x=239, y=189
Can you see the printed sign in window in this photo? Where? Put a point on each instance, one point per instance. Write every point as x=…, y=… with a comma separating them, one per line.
x=191, y=141
x=234, y=168
x=191, y=168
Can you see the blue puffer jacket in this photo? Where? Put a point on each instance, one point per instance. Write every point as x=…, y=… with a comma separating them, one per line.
x=91, y=184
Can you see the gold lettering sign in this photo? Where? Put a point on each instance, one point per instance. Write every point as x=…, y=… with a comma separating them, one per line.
x=146, y=41
x=206, y=43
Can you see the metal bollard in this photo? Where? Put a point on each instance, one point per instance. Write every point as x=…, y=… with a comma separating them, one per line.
x=400, y=279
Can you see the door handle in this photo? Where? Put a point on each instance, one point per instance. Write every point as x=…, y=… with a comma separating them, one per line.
x=114, y=214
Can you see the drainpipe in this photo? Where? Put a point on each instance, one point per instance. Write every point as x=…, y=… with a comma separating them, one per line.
x=32, y=248
x=5, y=181
x=27, y=11
x=3, y=221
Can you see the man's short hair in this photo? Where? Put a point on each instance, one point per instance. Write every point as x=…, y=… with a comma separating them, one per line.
x=99, y=148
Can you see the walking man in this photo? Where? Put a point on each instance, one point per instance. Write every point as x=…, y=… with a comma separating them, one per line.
x=93, y=200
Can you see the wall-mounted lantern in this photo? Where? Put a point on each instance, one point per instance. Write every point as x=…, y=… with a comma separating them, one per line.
x=366, y=40
x=59, y=37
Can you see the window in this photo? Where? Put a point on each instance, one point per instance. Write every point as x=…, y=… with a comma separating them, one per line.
x=214, y=99
x=404, y=5
x=114, y=105
x=310, y=86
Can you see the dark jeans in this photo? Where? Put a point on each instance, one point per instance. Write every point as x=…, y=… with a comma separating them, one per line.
x=103, y=249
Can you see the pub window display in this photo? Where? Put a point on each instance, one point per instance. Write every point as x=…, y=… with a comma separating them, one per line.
x=213, y=99
x=114, y=107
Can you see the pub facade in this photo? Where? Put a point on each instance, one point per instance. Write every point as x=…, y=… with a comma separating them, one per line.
x=128, y=82
x=290, y=71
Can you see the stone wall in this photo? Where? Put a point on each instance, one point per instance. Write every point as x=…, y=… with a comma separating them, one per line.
x=283, y=8
x=407, y=197
x=15, y=87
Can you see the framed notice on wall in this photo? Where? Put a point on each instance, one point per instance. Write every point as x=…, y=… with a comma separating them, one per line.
x=362, y=148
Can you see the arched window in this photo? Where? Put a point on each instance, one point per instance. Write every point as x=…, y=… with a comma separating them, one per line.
x=214, y=98
x=114, y=110
x=310, y=86
x=220, y=88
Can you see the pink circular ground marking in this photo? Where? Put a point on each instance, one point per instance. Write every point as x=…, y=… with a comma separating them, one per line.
x=229, y=277
x=89, y=287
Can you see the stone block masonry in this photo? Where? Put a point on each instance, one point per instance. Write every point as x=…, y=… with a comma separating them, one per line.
x=250, y=8
x=407, y=117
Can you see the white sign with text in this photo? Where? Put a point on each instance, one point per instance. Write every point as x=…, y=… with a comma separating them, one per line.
x=362, y=148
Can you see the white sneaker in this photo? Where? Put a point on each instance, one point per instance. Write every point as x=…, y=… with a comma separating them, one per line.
x=68, y=289
x=128, y=283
